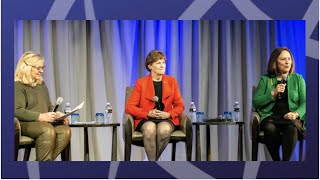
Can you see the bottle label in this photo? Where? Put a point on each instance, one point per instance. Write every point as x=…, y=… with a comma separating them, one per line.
x=109, y=110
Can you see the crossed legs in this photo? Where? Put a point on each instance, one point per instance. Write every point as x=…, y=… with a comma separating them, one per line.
x=155, y=138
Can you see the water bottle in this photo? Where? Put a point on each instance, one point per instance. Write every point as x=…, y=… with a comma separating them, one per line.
x=236, y=111
x=108, y=113
x=68, y=109
x=193, y=112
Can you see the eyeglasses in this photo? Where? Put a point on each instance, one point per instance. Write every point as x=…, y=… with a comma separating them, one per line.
x=40, y=68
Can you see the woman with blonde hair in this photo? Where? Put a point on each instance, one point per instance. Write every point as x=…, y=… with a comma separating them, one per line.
x=33, y=109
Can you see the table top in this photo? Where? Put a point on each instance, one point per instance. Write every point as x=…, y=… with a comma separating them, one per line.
x=93, y=124
x=217, y=121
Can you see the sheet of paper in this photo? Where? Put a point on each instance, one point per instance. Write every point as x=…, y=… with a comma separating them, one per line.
x=68, y=114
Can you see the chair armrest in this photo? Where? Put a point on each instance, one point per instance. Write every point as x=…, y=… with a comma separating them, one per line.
x=185, y=123
x=128, y=124
x=17, y=135
x=255, y=125
x=256, y=117
x=17, y=127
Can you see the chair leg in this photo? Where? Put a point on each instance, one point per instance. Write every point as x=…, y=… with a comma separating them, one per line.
x=16, y=146
x=127, y=150
x=255, y=149
x=65, y=154
x=189, y=149
x=27, y=151
x=173, y=154
x=300, y=150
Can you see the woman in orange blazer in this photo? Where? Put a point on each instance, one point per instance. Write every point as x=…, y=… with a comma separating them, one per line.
x=156, y=104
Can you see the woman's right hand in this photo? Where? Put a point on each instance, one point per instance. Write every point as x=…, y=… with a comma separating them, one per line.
x=47, y=117
x=154, y=113
x=279, y=89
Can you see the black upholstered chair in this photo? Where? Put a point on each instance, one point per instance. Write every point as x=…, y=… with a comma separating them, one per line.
x=257, y=135
x=132, y=137
x=26, y=143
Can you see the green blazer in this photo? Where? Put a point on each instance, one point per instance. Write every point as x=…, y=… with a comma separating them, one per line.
x=296, y=87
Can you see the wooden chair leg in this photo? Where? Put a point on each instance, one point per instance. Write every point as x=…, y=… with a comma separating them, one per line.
x=255, y=149
x=188, y=142
x=189, y=149
x=301, y=150
x=65, y=154
x=173, y=154
x=127, y=150
x=16, y=146
x=27, y=151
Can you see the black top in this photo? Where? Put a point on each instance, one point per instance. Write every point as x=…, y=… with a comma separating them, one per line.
x=281, y=107
x=158, y=92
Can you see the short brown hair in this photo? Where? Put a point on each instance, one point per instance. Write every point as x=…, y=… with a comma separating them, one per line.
x=272, y=65
x=154, y=56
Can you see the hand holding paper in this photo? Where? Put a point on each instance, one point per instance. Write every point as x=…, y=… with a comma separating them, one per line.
x=68, y=114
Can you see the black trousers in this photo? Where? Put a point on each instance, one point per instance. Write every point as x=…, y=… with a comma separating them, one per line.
x=277, y=133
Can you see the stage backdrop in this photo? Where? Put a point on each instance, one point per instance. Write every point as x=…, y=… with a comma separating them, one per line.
x=215, y=62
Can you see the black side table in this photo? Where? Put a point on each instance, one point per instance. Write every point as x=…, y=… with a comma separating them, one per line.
x=215, y=121
x=86, y=143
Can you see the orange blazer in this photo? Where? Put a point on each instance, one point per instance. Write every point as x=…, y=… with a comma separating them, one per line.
x=141, y=100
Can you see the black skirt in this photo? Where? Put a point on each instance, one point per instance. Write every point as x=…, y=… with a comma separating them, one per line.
x=156, y=121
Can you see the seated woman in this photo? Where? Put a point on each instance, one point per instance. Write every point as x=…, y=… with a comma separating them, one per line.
x=33, y=109
x=156, y=104
x=280, y=100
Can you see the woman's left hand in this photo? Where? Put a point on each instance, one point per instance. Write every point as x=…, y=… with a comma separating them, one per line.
x=59, y=114
x=291, y=115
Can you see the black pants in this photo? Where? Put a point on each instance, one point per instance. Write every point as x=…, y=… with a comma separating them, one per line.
x=276, y=134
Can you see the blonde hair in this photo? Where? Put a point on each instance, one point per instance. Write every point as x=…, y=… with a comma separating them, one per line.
x=24, y=67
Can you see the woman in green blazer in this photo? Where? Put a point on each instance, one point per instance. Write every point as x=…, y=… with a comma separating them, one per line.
x=280, y=98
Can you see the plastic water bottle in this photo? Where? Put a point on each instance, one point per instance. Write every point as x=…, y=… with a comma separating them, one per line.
x=236, y=111
x=68, y=109
x=193, y=112
x=108, y=113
